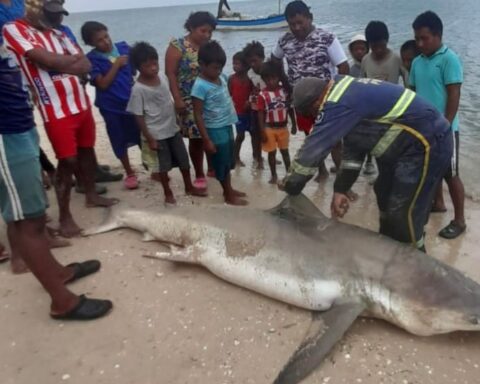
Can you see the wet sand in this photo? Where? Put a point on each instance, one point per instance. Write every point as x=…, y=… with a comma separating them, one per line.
x=180, y=324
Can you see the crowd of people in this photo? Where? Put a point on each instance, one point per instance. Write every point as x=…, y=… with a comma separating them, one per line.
x=364, y=112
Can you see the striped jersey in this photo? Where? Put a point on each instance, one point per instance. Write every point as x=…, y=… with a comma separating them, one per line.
x=275, y=105
x=60, y=95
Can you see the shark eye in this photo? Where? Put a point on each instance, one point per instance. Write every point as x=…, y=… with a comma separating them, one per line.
x=475, y=320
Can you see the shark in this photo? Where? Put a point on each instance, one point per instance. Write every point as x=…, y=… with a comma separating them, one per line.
x=295, y=254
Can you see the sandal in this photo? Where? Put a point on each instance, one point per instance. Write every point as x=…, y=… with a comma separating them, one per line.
x=4, y=257
x=131, y=182
x=452, y=230
x=81, y=270
x=86, y=309
x=200, y=183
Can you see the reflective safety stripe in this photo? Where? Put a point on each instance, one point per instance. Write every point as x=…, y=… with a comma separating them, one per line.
x=353, y=165
x=400, y=107
x=388, y=138
x=421, y=243
x=302, y=170
x=340, y=89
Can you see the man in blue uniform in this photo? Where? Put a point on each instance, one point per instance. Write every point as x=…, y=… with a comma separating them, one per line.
x=410, y=139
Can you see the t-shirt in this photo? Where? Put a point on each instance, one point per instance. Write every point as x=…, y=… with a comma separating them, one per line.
x=15, y=110
x=275, y=105
x=65, y=29
x=316, y=56
x=431, y=75
x=11, y=13
x=116, y=97
x=258, y=85
x=218, y=109
x=60, y=94
x=156, y=105
x=390, y=69
x=355, y=69
x=240, y=90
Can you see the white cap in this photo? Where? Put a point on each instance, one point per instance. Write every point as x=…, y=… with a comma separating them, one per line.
x=356, y=38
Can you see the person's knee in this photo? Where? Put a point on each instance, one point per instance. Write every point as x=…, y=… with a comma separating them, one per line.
x=396, y=225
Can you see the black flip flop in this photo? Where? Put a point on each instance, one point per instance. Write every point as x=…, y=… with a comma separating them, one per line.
x=81, y=270
x=4, y=257
x=452, y=231
x=86, y=309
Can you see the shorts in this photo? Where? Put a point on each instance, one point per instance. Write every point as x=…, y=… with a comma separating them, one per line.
x=149, y=157
x=304, y=124
x=172, y=153
x=223, y=160
x=277, y=138
x=122, y=131
x=453, y=169
x=22, y=195
x=244, y=124
x=70, y=133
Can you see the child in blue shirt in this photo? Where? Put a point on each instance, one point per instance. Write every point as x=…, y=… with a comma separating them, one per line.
x=112, y=76
x=215, y=116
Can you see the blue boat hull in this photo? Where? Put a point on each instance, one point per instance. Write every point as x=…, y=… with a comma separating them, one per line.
x=273, y=22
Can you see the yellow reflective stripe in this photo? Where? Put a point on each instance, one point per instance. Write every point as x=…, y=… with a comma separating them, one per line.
x=421, y=242
x=400, y=106
x=387, y=139
x=302, y=170
x=340, y=89
x=353, y=165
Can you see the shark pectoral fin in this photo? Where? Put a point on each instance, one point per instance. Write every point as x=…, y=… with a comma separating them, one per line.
x=298, y=208
x=326, y=330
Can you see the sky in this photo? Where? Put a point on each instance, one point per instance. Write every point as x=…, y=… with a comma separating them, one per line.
x=96, y=5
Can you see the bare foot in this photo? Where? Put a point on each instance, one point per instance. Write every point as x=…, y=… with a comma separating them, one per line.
x=170, y=200
x=155, y=176
x=68, y=228
x=321, y=177
x=235, y=200
x=238, y=193
x=55, y=242
x=273, y=180
x=4, y=255
x=196, y=192
x=99, y=201
x=18, y=266
x=240, y=163
x=352, y=196
x=260, y=166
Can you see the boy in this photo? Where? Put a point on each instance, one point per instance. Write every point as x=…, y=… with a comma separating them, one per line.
x=273, y=118
x=254, y=54
x=152, y=104
x=240, y=88
x=437, y=75
x=215, y=116
x=408, y=52
x=112, y=76
x=381, y=63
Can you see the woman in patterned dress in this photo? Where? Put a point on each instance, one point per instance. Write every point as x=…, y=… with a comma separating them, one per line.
x=182, y=68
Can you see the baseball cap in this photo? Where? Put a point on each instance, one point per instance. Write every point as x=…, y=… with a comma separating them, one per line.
x=356, y=38
x=55, y=6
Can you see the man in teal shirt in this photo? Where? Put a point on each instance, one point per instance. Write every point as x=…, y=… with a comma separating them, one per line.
x=437, y=75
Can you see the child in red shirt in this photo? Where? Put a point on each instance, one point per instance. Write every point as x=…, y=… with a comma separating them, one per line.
x=273, y=111
x=240, y=88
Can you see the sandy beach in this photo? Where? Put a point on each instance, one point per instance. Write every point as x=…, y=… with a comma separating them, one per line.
x=180, y=324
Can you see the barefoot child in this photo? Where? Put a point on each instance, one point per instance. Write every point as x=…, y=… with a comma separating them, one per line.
x=273, y=118
x=152, y=104
x=112, y=76
x=240, y=88
x=215, y=116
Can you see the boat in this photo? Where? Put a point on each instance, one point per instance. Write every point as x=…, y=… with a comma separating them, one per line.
x=228, y=20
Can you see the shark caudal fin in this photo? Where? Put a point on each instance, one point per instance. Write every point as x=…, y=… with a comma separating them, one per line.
x=112, y=220
x=326, y=330
x=299, y=209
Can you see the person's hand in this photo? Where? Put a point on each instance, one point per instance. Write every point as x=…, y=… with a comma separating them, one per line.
x=121, y=61
x=152, y=144
x=180, y=107
x=264, y=136
x=209, y=146
x=340, y=204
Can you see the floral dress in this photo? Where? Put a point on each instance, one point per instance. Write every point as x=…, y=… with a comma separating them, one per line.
x=188, y=71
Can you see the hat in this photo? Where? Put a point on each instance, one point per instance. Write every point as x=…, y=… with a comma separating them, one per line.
x=306, y=92
x=356, y=38
x=54, y=6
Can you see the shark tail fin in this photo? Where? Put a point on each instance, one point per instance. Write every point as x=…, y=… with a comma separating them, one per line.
x=298, y=208
x=326, y=330
x=111, y=221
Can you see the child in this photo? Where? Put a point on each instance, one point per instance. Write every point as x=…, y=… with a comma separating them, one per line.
x=358, y=48
x=381, y=63
x=240, y=88
x=408, y=52
x=255, y=56
x=273, y=117
x=112, y=76
x=152, y=104
x=215, y=115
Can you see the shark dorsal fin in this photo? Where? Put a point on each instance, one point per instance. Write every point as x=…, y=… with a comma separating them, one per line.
x=298, y=208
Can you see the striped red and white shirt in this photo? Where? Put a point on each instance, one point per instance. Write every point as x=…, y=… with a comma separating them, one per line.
x=60, y=95
x=275, y=105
